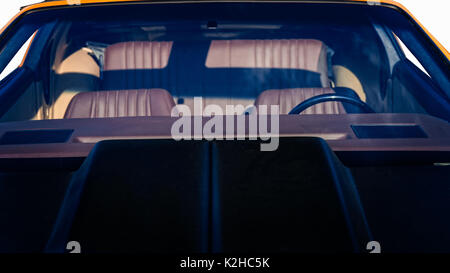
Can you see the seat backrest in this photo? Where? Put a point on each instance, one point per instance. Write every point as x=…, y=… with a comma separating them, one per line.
x=137, y=55
x=129, y=196
x=287, y=99
x=303, y=54
x=266, y=63
x=234, y=72
x=132, y=56
x=297, y=198
x=123, y=103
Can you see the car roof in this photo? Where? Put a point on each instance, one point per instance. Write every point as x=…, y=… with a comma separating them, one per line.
x=68, y=3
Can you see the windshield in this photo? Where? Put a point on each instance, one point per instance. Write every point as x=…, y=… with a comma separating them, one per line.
x=225, y=127
x=371, y=58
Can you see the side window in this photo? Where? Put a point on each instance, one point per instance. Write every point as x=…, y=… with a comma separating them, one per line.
x=410, y=56
x=17, y=60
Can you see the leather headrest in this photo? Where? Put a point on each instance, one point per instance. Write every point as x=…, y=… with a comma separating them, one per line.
x=137, y=55
x=123, y=103
x=303, y=54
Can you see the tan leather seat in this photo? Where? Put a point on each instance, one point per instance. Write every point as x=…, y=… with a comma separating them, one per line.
x=134, y=60
x=302, y=54
x=127, y=103
x=305, y=54
x=123, y=103
x=287, y=99
x=137, y=55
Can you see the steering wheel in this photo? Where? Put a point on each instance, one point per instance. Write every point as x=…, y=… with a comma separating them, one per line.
x=330, y=97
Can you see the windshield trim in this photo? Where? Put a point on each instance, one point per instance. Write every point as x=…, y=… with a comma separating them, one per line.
x=67, y=4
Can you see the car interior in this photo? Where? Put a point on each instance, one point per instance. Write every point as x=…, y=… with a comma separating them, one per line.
x=137, y=76
x=85, y=128
x=234, y=63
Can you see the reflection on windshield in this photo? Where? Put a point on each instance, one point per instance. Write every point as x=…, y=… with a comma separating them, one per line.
x=322, y=64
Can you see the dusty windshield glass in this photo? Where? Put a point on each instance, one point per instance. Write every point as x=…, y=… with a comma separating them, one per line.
x=312, y=60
